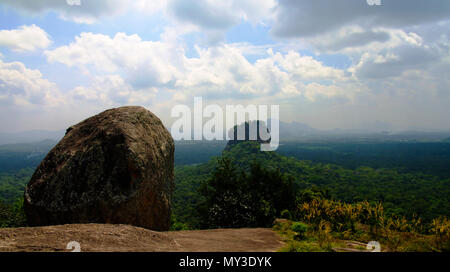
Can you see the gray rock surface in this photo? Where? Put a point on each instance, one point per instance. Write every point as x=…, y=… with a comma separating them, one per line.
x=116, y=167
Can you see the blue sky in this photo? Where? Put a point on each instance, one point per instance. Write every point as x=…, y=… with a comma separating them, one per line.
x=329, y=64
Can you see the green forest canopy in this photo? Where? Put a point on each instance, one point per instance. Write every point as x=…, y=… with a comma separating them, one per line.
x=402, y=194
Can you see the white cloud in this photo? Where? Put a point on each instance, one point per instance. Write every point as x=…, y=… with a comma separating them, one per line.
x=306, y=67
x=106, y=90
x=398, y=55
x=88, y=12
x=356, y=40
x=391, y=63
x=110, y=91
x=381, y=42
x=314, y=91
x=143, y=63
x=25, y=38
x=20, y=86
x=220, y=15
x=149, y=6
x=398, y=51
x=221, y=72
x=29, y=101
x=296, y=19
x=211, y=16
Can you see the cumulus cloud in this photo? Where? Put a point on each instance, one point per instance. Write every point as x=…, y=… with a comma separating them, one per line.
x=204, y=13
x=398, y=54
x=218, y=72
x=25, y=38
x=144, y=63
x=216, y=14
x=403, y=51
x=380, y=52
x=353, y=40
x=110, y=91
x=31, y=99
x=212, y=16
x=88, y=12
x=106, y=90
x=349, y=38
x=310, y=18
x=393, y=62
x=306, y=67
x=20, y=86
x=381, y=41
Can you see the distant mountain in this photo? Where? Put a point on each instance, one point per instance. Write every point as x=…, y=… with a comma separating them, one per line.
x=374, y=127
x=294, y=131
x=31, y=136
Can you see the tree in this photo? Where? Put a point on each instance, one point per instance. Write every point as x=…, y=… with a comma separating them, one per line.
x=12, y=215
x=238, y=199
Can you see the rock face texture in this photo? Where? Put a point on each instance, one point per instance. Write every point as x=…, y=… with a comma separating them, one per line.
x=115, y=167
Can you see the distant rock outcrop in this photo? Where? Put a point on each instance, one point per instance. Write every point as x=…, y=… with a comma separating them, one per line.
x=242, y=133
x=115, y=167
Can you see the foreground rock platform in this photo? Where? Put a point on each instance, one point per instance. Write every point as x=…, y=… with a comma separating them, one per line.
x=125, y=238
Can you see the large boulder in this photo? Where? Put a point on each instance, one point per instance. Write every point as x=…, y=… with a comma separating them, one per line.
x=115, y=167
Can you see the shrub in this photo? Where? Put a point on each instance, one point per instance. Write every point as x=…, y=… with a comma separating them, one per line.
x=303, y=246
x=286, y=214
x=12, y=215
x=300, y=229
x=176, y=225
x=441, y=231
